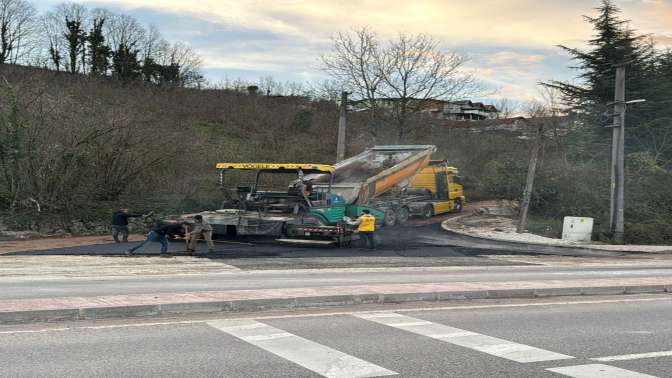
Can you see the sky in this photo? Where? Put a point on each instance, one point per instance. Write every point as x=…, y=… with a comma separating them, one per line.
x=511, y=44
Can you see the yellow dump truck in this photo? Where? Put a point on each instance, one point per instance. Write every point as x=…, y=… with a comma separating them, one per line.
x=441, y=187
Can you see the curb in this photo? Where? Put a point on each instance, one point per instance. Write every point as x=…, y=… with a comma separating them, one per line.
x=256, y=305
x=527, y=244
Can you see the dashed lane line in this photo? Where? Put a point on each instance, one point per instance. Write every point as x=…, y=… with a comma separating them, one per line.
x=635, y=356
x=491, y=345
x=597, y=371
x=319, y=358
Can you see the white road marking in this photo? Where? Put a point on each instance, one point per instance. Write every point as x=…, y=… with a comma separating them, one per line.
x=635, y=356
x=598, y=371
x=491, y=345
x=665, y=297
x=321, y=359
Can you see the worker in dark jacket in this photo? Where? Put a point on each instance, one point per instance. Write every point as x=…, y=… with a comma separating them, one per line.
x=160, y=234
x=120, y=224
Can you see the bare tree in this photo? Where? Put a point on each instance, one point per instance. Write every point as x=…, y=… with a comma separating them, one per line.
x=416, y=71
x=329, y=90
x=355, y=64
x=124, y=30
x=17, y=29
x=153, y=44
x=57, y=28
x=188, y=63
x=508, y=108
x=397, y=80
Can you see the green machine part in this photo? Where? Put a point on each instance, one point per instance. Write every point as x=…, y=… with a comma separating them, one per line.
x=330, y=215
x=354, y=211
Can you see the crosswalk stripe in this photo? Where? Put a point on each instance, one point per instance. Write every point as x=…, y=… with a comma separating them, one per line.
x=321, y=359
x=597, y=371
x=472, y=340
x=636, y=356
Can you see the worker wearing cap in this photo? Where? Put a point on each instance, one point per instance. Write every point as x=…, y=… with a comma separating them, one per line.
x=366, y=227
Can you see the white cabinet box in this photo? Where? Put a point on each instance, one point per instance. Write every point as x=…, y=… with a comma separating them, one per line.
x=579, y=229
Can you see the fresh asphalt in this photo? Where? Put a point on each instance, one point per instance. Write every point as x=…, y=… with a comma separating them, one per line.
x=597, y=328
x=410, y=246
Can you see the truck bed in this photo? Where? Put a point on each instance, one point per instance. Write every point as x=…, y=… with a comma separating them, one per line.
x=378, y=169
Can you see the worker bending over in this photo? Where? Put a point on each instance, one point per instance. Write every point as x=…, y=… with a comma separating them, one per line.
x=160, y=233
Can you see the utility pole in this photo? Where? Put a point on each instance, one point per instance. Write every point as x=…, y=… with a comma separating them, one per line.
x=618, y=157
x=529, y=183
x=340, y=146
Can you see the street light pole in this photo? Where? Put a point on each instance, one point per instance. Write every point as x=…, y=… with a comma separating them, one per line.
x=340, y=144
x=618, y=157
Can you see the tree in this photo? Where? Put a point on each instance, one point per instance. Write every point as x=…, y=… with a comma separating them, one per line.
x=654, y=131
x=76, y=38
x=396, y=81
x=124, y=30
x=64, y=33
x=99, y=51
x=17, y=29
x=416, y=71
x=125, y=64
x=181, y=65
x=355, y=65
x=508, y=108
x=51, y=30
x=614, y=43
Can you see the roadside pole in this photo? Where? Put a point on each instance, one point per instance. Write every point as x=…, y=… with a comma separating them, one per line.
x=529, y=183
x=618, y=157
x=340, y=146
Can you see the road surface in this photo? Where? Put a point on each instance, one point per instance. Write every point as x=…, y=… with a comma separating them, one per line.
x=39, y=287
x=595, y=337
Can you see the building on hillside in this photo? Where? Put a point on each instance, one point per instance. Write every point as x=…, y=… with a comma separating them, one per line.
x=461, y=110
x=438, y=109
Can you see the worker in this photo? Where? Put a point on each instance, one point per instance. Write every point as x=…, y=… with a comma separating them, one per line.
x=160, y=233
x=366, y=227
x=201, y=229
x=120, y=224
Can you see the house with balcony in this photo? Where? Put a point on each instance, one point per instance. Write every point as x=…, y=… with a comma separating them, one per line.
x=438, y=109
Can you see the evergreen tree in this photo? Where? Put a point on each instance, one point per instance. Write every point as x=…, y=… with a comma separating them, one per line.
x=125, y=63
x=99, y=52
x=55, y=57
x=170, y=74
x=652, y=123
x=76, y=37
x=150, y=70
x=614, y=43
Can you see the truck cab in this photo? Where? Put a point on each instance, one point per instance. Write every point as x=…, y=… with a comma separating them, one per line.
x=442, y=183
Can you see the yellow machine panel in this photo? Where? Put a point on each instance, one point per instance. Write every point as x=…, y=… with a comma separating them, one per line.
x=277, y=166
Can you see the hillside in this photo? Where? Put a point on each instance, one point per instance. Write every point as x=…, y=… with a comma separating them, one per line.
x=76, y=148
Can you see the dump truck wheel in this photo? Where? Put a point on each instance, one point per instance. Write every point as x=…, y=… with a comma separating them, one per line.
x=428, y=212
x=458, y=206
x=390, y=218
x=402, y=215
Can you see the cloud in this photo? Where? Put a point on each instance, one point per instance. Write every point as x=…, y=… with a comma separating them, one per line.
x=511, y=44
x=664, y=40
x=519, y=22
